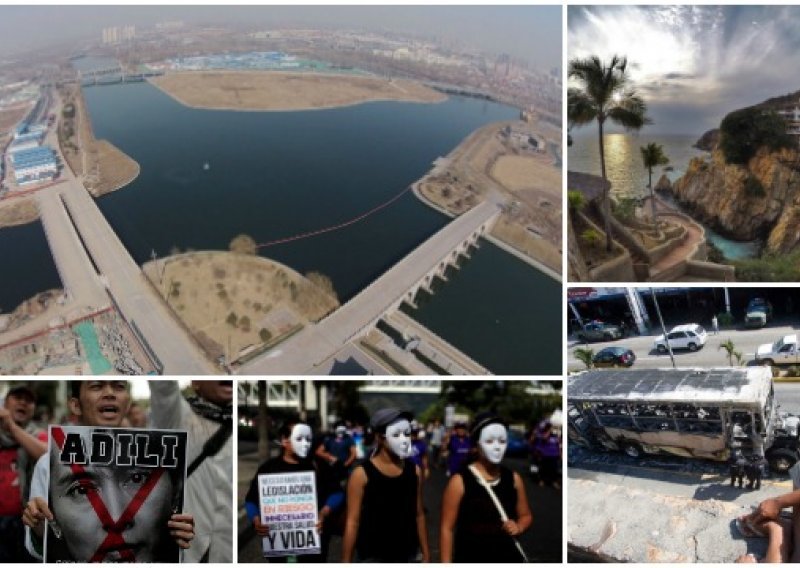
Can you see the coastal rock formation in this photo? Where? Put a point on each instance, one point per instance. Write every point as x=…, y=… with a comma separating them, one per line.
x=761, y=199
x=708, y=141
x=663, y=183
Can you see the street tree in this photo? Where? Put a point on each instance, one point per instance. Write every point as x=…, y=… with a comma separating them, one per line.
x=730, y=350
x=585, y=355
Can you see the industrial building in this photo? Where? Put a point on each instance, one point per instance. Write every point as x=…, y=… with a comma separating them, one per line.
x=34, y=165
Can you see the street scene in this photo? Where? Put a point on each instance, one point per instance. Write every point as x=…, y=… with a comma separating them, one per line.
x=447, y=422
x=627, y=319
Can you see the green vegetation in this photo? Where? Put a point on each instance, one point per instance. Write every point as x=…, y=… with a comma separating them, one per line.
x=730, y=349
x=625, y=209
x=744, y=131
x=575, y=201
x=769, y=268
x=590, y=237
x=243, y=244
x=604, y=94
x=264, y=334
x=725, y=319
x=585, y=356
x=653, y=156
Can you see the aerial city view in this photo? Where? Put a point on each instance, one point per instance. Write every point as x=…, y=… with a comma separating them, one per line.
x=683, y=139
x=281, y=190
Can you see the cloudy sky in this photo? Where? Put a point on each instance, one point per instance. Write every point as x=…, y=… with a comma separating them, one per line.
x=694, y=64
x=532, y=33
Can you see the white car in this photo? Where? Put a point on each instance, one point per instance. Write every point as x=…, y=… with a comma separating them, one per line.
x=782, y=352
x=689, y=336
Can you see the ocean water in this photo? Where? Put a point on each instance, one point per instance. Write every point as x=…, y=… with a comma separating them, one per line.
x=628, y=176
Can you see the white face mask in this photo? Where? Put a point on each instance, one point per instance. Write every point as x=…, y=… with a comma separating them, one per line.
x=398, y=436
x=493, y=442
x=301, y=440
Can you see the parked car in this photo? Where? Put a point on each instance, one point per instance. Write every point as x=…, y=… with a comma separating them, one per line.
x=599, y=331
x=758, y=313
x=614, y=357
x=689, y=336
x=782, y=352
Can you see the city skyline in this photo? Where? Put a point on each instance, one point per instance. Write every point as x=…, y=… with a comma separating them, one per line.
x=530, y=33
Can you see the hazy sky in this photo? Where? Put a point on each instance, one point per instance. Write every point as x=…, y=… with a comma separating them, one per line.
x=529, y=32
x=694, y=64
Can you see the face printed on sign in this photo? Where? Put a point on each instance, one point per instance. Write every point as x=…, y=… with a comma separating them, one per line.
x=109, y=512
x=398, y=437
x=301, y=440
x=493, y=442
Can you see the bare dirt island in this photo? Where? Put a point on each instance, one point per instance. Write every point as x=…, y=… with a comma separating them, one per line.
x=515, y=160
x=18, y=211
x=279, y=91
x=238, y=305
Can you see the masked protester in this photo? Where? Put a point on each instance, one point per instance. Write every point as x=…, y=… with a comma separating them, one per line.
x=208, y=418
x=100, y=404
x=385, y=517
x=21, y=444
x=472, y=527
x=296, y=456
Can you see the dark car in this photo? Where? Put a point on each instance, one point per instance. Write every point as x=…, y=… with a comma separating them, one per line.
x=599, y=331
x=614, y=357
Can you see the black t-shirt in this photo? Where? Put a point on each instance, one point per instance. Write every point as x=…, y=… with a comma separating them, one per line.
x=387, y=528
x=326, y=485
x=479, y=535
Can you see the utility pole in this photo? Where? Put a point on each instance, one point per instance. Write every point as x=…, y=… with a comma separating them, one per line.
x=663, y=329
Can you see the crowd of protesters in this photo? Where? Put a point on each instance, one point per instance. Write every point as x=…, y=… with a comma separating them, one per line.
x=370, y=481
x=202, y=529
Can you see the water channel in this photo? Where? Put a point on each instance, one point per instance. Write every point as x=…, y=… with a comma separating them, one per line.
x=209, y=175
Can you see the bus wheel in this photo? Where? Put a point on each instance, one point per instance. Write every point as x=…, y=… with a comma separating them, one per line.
x=632, y=449
x=781, y=460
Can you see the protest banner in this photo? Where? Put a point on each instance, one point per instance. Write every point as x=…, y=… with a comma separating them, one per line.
x=112, y=492
x=288, y=504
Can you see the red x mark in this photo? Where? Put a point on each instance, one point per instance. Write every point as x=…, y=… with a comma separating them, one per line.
x=114, y=539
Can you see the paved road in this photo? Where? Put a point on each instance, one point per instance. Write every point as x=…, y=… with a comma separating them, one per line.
x=542, y=542
x=316, y=343
x=745, y=340
x=138, y=302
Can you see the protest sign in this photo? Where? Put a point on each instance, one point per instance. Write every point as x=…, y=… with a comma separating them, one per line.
x=288, y=505
x=112, y=492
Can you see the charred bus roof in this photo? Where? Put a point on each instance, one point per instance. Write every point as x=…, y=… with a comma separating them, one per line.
x=723, y=385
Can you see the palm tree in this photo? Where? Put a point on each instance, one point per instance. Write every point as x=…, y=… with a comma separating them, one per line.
x=604, y=95
x=730, y=350
x=585, y=356
x=652, y=156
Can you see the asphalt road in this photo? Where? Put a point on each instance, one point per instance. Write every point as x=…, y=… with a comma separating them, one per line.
x=542, y=542
x=745, y=340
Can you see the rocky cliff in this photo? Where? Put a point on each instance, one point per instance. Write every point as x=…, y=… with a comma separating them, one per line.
x=761, y=199
x=708, y=141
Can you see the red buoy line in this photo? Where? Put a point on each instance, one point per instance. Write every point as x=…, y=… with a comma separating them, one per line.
x=335, y=227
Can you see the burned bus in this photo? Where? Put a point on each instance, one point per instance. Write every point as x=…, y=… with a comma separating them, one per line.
x=699, y=413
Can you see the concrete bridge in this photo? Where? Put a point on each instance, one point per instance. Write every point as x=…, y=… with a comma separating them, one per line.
x=316, y=343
